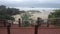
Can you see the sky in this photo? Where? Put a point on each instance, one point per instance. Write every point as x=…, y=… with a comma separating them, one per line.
x=31, y=3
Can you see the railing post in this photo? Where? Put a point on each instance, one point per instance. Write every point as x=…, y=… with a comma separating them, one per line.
x=36, y=29
x=36, y=26
x=19, y=21
x=4, y=23
x=8, y=28
x=47, y=24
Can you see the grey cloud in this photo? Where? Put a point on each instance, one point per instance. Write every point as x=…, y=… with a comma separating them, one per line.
x=31, y=4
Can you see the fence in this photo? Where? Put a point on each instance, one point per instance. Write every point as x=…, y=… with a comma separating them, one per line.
x=38, y=28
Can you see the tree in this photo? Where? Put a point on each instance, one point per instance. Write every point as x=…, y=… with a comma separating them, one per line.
x=7, y=13
x=56, y=16
x=26, y=18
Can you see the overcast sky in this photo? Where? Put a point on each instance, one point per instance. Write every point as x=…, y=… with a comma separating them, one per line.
x=31, y=3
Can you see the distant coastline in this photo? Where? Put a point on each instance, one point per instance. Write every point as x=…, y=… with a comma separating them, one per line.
x=27, y=8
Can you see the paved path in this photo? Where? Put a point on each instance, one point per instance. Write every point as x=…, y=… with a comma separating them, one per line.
x=29, y=30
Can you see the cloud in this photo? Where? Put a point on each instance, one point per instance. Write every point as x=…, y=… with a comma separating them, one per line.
x=40, y=1
x=31, y=3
